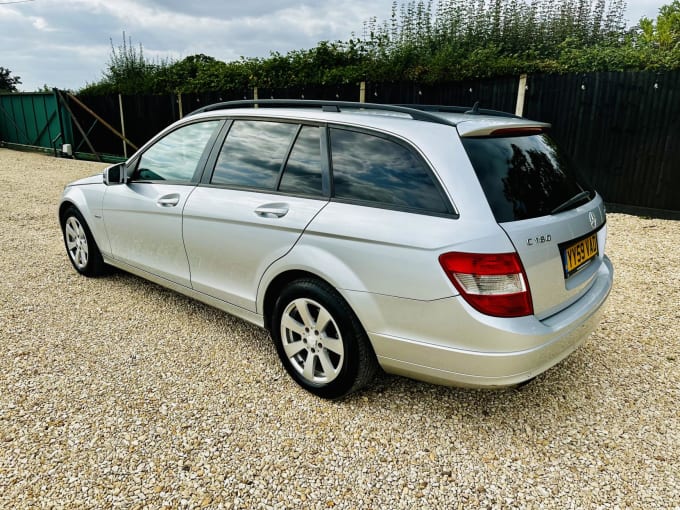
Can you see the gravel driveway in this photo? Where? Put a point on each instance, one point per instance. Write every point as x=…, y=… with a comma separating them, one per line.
x=117, y=393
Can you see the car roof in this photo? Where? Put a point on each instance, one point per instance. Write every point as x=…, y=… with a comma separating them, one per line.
x=400, y=119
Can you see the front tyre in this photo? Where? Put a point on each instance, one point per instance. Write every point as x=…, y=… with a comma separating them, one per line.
x=320, y=341
x=80, y=244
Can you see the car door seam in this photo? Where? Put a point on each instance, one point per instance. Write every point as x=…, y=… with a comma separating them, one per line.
x=184, y=245
x=302, y=231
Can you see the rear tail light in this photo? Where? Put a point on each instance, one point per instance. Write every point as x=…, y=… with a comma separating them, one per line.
x=494, y=284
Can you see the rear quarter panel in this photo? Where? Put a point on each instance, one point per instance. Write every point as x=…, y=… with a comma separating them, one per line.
x=384, y=251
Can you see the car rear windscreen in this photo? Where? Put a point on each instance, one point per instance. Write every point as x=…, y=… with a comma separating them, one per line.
x=523, y=176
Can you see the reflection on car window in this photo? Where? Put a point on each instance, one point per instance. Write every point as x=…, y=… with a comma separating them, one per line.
x=175, y=156
x=303, y=169
x=522, y=176
x=373, y=169
x=253, y=153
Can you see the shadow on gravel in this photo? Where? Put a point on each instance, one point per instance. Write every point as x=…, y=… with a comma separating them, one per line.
x=570, y=387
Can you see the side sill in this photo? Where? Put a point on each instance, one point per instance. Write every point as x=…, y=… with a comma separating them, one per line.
x=237, y=311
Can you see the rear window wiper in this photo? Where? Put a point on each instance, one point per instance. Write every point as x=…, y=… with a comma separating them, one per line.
x=573, y=200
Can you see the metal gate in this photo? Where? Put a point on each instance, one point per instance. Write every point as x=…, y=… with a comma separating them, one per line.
x=34, y=120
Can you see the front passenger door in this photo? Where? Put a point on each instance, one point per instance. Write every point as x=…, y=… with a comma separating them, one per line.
x=143, y=217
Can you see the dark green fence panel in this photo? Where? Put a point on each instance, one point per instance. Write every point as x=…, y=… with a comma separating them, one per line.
x=34, y=119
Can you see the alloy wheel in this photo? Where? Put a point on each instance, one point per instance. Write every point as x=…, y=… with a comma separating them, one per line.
x=312, y=341
x=76, y=242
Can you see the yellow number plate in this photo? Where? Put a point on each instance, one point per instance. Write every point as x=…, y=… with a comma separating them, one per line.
x=579, y=254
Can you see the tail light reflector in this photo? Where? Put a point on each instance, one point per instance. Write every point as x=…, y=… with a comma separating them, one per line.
x=494, y=284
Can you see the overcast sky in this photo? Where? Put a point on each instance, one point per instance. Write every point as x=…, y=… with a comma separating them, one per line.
x=66, y=43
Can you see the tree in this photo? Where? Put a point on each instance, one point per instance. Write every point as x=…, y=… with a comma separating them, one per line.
x=665, y=31
x=8, y=83
x=128, y=71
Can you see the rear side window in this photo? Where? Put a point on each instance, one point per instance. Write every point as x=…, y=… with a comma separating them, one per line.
x=379, y=171
x=523, y=176
x=253, y=153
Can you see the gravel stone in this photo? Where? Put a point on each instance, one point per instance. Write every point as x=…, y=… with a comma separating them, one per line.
x=117, y=393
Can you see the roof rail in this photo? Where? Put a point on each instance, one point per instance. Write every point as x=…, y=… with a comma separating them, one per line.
x=329, y=106
x=475, y=110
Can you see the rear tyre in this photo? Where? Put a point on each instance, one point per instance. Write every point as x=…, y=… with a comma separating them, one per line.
x=80, y=244
x=320, y=341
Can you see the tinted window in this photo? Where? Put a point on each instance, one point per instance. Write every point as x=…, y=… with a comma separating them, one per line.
x=175, y=157
x=523, y=176
x=253, y=153
x=303, y=169
x=373, y=169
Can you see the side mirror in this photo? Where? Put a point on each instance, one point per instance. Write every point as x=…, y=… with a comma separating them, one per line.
x=115, y=174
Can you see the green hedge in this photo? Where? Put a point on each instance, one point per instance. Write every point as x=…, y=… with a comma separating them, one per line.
x=428, y=42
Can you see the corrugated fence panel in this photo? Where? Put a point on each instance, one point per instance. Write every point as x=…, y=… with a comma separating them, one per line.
x=32, y=119
x=194, y=101
x=146, y=115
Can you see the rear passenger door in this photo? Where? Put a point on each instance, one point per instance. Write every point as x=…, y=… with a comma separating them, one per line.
x=267, y=183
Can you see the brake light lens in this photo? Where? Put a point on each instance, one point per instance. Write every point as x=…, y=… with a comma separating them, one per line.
x=494, y=284
x=518, y=131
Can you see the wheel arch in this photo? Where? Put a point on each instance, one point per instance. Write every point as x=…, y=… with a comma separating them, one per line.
x=87, y=200
x=305, y=261
x=359, y=359
x=66, y=204
x=75, y=197
x=276, y=285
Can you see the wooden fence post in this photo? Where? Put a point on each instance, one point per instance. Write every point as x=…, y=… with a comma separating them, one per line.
x=519, y=108
x=122, y=124
x=88, y=110
x=179, y=102
x=362, y=92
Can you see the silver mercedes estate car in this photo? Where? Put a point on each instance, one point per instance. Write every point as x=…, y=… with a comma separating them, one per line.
x=448, y=245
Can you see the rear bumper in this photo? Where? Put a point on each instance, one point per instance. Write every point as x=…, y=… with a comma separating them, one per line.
x=464, y=349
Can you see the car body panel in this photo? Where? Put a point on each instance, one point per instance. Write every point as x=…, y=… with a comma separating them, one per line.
x=92, y=179
x=220, y=304
x=538, y=242
x=87, y=195
x=146, y=233
x=390, y=252
x=515, y=350
x=229, y=245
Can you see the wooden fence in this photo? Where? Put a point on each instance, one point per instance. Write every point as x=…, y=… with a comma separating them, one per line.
x=621, y=128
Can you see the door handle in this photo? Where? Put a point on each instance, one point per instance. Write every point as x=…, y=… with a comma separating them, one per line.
x=272, y=210
x=168, y=200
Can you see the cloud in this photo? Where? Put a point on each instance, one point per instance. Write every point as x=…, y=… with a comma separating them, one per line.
x=40, y=23
x=66, y=43
x=82, y=30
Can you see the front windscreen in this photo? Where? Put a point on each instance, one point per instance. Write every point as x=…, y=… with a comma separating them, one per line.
x=523, y=176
